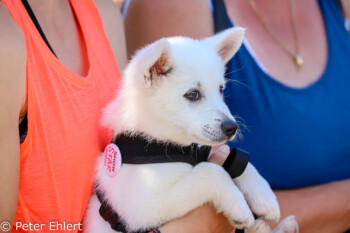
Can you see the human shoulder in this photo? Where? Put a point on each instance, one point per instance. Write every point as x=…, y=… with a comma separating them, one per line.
x=114, y=28
x=346, y=8
x=109, y=11
x=107, y=6
x=11, y=37
x=12, y=63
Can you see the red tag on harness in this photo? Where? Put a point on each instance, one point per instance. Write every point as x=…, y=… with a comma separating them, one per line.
x=112, y=159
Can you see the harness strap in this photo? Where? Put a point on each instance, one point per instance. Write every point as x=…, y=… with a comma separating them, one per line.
x=108, y=214
x=138, y=149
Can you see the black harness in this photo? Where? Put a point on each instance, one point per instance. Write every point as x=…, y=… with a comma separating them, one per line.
x=139, y=150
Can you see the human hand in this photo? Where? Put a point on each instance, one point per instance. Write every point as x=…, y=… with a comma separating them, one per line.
x=203, y=219
x=219, y=154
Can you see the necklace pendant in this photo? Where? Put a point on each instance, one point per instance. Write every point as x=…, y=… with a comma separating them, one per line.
x=298, y=60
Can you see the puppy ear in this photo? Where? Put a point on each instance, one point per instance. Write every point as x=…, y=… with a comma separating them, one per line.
x=227, y=43
x=158, y=64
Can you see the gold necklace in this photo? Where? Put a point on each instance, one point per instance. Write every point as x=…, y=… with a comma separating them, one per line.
x=296, y=57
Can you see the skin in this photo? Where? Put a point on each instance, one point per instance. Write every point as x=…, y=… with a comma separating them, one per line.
x=203, y=219
x=12, y=99
x=346, y=8
x=328, y=208
x=323, y=208
x=58, y=23
x=114, y=28
x=276, y=14
x=145, y=26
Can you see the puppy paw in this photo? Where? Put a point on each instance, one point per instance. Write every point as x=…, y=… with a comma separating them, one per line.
x=242, y=223
x=239, y=215
x=265, y=207
x=288, y=225
x=259, y=226
x=258, y=194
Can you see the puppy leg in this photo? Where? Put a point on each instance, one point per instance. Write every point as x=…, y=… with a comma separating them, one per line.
x=205, y=183
x=258, y=194
x=226, y=197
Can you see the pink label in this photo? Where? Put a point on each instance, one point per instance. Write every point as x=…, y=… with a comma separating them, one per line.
x=112, y=159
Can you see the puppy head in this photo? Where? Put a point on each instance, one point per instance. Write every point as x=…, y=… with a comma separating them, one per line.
x=173, y=91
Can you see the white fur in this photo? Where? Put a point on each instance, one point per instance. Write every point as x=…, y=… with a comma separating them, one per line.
x=151, y=101
x=288, y=225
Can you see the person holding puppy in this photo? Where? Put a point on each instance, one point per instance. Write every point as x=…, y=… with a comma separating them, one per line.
x=58, y=70
x=290, y=87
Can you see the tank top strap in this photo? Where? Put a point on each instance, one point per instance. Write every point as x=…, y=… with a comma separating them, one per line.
x=334, y=24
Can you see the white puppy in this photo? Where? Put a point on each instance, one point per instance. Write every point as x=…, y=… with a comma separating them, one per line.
x=172, y=93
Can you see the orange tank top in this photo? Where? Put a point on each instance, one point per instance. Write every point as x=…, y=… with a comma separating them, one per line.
x=58, y=156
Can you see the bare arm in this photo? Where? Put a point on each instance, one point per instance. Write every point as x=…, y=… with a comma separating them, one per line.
x=322, y=208
x=12, y=98
x=114, y=28
x=200, y=220
x=146, y=22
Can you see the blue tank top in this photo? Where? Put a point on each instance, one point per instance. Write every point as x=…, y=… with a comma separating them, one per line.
x=296, y=136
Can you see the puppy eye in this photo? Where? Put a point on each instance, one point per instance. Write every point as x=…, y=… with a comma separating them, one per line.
x=221, y=89
x=193, y=95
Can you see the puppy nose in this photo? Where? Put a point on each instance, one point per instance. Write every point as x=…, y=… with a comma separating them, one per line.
x=229, y=127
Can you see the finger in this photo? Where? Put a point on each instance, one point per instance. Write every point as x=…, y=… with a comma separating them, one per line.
x=219, y=156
